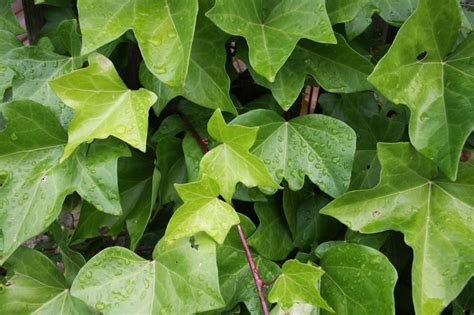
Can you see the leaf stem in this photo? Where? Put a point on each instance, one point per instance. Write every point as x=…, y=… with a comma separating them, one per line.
x=253, y=268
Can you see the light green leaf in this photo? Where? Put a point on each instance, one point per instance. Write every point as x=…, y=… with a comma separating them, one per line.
x=37, y=287
x=231, y=162
x=180, y=280
x=8, y=20
x=202, y=212
x=298, y=284
x=318, y=146
x=272, y=28
x=434, y=214
x=103, y=105
x=36, y=184
x=272, y=239
x=358, y=280
x=418, y=72
x=206, y=83
x=235, y=276
x=164, y=31
x=337, y=68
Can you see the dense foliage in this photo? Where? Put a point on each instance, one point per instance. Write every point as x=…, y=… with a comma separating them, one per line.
x=237, y=156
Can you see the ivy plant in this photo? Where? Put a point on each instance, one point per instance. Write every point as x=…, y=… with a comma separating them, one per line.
x=236, y=157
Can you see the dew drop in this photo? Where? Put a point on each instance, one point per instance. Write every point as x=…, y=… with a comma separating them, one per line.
x=13, y=137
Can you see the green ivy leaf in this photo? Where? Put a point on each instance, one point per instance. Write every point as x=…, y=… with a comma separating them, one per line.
x=337, y=68
x=37, y=287
x=8, y=20
x=308, y=227
x=318, y=146
x=138, y=181
x=342, y=11
x=273, y=28
x=70, y=36
x=34, y=66
x=103, y=105
x=72, y=260
x=235, y=277
x=231, y=162
x=272, y=239
x=418, y=72
x=170, y=162
x=373, y=123
x=434, y=214
x=164, y=31
x=357, y=14
x=298, y=284
x=180, y=280
x=207, y=83
x=36, y=184
x=202, y=212
x=358, y=280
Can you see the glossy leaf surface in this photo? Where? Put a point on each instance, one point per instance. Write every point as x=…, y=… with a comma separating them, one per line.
x=314, y=145
x=36, y=184
x=358, y=280
x=118, y=280
x=297, y=284
x=418, y=72
x=231, y=162
x=434, y=214
x=272, y=28
x=272, y=239
x=165, y=46
x=37, y=287
x=337, y=68
x=103, y=105
x=202, y=212
x=206, y=82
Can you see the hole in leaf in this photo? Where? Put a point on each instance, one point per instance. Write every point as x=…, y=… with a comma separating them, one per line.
x=368, y=167
x=104, y=230
x=391, y=113
x=465, y=156
x=421, y=56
